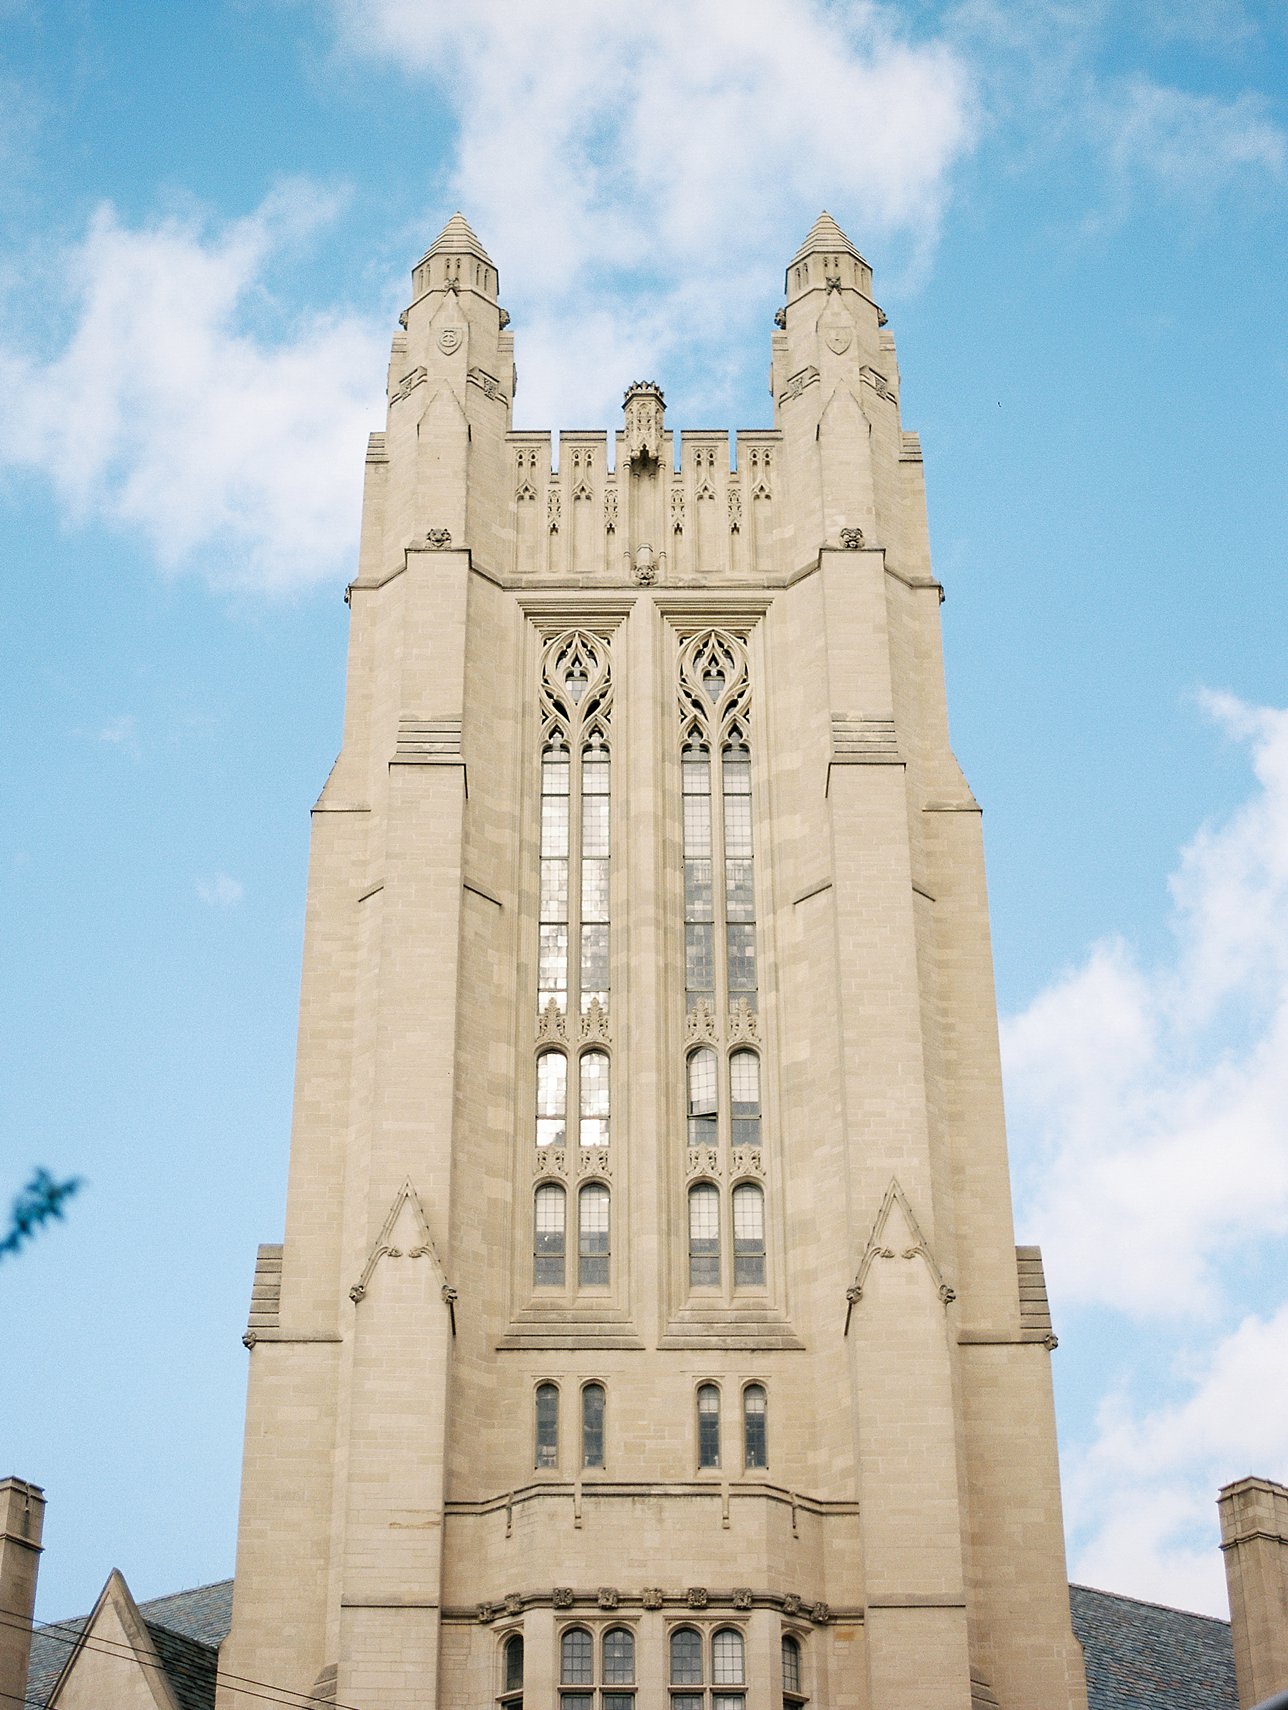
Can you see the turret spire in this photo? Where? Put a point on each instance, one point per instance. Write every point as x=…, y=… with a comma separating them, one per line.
x=458, y=238
x=456, y=259
x=825, y=236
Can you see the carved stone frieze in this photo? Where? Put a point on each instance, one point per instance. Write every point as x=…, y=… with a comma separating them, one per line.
x=407, y=385
x=820, y=1614
x=594, y=1161
x=748, y=1161
x=513, y=1603
x=610, y=510
x=487, y=383
x=704, y=1161
x=562, y=1597
x=608, y=1597
x=798, y=382
x=742, y=1597
x=594, y=1022
x=552, y=1023
x=700, y=1025
x=651, y=1597
x=697, y=1597
x=550, y=1161
x=744, y=1023
x=792, y=1604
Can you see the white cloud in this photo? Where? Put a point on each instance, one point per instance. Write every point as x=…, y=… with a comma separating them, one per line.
x=1143, y=1494
x=1149, y=1125
x=659, y=164
x=165, y=412
x=221, y=891
x=1186, y=144
x=120, y=732
x=1148, y=1104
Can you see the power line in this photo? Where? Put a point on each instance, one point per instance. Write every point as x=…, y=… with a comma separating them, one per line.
x=64, y=1633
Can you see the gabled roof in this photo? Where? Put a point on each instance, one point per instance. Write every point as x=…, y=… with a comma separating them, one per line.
x=185, y=1628
x=1144, y=1656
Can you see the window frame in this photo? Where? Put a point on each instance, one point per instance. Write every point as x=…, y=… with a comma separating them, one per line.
x=511, y=1696
x=595, y=1384
x=704, y=1391
x=755, y=1388
x=706, y=1693
x=545, y=1387
x=599, y=1689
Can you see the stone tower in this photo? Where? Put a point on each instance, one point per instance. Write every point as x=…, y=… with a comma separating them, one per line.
x=649, y=1324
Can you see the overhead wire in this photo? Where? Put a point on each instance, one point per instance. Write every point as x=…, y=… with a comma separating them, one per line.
x=65, y=1633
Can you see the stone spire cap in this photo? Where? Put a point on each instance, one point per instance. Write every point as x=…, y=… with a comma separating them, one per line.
x=457, y=238
x=825, y=237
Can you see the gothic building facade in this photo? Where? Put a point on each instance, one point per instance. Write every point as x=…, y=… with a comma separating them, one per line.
x=649, y=1325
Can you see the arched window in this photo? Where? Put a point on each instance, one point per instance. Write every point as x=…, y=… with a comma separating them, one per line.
x=703, y=1101
x=550, y=1211
x=552, y=1099
x=748, y=1236
x=592, y=1236
x=755, y=1435
x=686, y=1658
x=619, y=1660
x=704, y=1236
x=512, y=1672
x=792, y=1694
x=727, y=1668
x=594, y=1098
x=576, y=1658
x=547, y=1425
x=592, y=1425
x=708, y=1426
x=744, y=1088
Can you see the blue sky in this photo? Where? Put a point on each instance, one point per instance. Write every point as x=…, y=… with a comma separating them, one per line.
x=1077, y=217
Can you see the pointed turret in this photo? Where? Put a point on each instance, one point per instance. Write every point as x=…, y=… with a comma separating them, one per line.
x=458, y=260
x=827, y=255
x=824, y=236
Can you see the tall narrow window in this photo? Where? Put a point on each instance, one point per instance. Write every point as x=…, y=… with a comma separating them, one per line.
x=547, y=1425
x=748, y=1236
x=595, y=804
x=755, y=1437
x=575, y=850
x=699, y=895
x=686, y=1669
x=594, y=1098
x=744, y=1087
x=619, y=1668
x=727, y=1669
x=592, y=1236
x=592, y=1425
x=512, y=1673
x=552, y=1098
x=792, y=1694
x=704, y=1236
x=550, y=1211
x=708, y=1426
x=555, y=789
x=740, y=903
x=576, y=1668
x=703, y=1098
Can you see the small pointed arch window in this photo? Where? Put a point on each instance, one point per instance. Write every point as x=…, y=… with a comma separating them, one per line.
x=699, y=893
x=619, y=1660
x=793, y=1674
x=728, y=1667
x=703, y=1097
x=749, y=1235
x=593, y=1402
x=512, y=1672
x=708, y=1425
x=552, y=1098
x=552, y=977
x=594, y=1095
x=550, y=1210
x=744, y=1090
x=755, y=1427
x=592, y=1236
x=576, y=1660
x=547, y=1422
x=704, y=1235
x=686, y=1661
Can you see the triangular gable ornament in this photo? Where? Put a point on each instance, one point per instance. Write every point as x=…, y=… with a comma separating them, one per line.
x=421, y=1247
x=877, y=1248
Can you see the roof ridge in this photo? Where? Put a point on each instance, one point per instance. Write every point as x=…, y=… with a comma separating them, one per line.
x=1148, y=1603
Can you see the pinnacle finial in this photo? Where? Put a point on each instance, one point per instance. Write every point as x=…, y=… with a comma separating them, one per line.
x=825, y=235
x=458, y=238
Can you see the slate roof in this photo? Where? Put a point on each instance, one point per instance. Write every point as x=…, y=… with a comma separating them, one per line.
x=186, y=1627
x=1140, y=1656
x=1143, y=1656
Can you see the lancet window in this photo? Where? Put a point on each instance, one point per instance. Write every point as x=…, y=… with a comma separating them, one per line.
x=573, y=961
